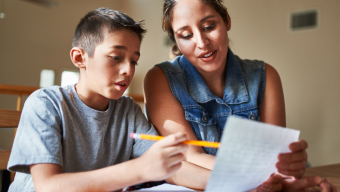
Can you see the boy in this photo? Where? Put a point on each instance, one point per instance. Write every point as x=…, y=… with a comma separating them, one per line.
x=76, y=138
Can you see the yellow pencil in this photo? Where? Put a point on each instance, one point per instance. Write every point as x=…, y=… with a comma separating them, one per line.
x=156, y=138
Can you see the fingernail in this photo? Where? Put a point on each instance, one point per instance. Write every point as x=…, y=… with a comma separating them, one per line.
x=317, y=179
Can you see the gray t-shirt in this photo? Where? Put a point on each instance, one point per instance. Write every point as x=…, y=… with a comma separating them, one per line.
x=57, y=127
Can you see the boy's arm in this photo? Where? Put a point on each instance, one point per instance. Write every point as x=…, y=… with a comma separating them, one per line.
x=159, y=162
x=50, y=177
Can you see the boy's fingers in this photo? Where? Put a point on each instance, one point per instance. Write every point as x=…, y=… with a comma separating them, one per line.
x=173, y=150
x=175, y=167
x=298, y=146
x=173, y=139
x=292, y=157
x=176, y=159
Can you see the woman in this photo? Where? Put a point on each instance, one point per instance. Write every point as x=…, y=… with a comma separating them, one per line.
x=197, y=92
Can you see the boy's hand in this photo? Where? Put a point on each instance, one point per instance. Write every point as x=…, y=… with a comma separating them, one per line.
x=294, y=163
x=163, y=158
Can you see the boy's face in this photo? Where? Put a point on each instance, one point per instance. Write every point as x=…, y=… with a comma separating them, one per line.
x=110, y=71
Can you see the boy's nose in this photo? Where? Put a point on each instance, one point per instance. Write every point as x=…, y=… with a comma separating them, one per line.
x=128, y=69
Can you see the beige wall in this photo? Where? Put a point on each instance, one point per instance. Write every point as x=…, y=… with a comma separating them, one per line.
x=33, y=38
x=307, y=61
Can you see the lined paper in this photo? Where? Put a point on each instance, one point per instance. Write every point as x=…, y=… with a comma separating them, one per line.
x=247, y=155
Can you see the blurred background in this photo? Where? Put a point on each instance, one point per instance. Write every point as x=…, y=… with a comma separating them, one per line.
x=36, y=37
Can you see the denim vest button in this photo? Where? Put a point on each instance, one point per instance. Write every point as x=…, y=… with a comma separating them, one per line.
x=204, y=118
x=252, y=116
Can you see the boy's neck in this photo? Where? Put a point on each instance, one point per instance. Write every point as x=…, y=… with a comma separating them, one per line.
x=91, y=99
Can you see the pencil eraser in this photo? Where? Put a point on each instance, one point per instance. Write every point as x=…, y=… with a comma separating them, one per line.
x=131, y=135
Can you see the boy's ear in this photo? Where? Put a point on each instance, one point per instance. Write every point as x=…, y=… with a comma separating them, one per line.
x=78, y=57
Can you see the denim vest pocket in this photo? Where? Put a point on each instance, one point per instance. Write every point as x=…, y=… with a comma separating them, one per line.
x=252, y=114
x=203, y=125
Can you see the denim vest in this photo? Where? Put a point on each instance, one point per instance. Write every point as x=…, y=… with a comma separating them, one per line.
x=207, y=113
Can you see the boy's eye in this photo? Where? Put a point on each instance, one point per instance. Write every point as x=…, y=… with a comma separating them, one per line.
x=209, y=27
x=134, y=63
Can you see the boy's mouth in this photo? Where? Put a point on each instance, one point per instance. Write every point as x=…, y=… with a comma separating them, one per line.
x=122, y=86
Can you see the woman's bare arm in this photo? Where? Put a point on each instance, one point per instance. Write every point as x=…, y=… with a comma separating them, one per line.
x=167, y=115
x=273, y=105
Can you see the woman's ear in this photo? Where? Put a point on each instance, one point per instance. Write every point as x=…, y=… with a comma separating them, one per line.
x=78, y=57
x=229, y=23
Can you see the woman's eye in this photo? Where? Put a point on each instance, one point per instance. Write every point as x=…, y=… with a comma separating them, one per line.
x=116, y=58
x=187, y=36
x=209, y=27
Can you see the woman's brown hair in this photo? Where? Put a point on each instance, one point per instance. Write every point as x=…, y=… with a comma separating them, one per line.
x=168, y=6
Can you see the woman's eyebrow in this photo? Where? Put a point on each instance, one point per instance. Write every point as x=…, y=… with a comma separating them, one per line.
x=202, y=20
x=207, y=17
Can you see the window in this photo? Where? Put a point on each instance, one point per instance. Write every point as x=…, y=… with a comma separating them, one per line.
x=69, y=78
x=46, y=78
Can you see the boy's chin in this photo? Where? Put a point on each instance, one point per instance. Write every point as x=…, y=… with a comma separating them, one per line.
x=114, y=96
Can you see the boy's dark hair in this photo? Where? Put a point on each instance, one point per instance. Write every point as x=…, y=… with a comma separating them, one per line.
x=91, y=29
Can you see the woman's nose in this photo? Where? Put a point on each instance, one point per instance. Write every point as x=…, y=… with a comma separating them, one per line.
x=201, y=41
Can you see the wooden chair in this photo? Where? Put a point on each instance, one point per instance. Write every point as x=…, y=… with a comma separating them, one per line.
x=10, y=118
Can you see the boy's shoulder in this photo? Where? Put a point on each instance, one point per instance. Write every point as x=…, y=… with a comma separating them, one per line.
x=52, y=91
x=128, y=102
x=49, y=97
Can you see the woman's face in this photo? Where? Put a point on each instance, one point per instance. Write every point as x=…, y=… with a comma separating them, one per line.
x=201, y=35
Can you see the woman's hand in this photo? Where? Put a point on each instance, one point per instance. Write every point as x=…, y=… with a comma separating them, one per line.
x=294, y=163
x=163, y=158
x=273, y=184
x=326, y=186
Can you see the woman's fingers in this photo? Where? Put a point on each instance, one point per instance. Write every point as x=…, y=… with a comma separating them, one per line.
x=301, y=184
x=293, y=156
x=298, y=146
x=272, y=184
x=327, y=186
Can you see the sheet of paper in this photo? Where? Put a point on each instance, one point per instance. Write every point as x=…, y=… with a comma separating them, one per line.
x=166, y=188
x=247, y=155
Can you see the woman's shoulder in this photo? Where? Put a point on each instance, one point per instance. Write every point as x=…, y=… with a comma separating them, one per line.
x=171, y=66
x=248, y=64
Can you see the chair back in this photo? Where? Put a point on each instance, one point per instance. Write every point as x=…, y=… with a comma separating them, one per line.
x=8, y=119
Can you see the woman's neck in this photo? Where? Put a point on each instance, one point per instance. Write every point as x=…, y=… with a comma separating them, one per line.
x=215, y=81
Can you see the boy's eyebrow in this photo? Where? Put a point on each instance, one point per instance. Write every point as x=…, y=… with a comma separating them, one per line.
x=122, y=47
x=205, y=18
